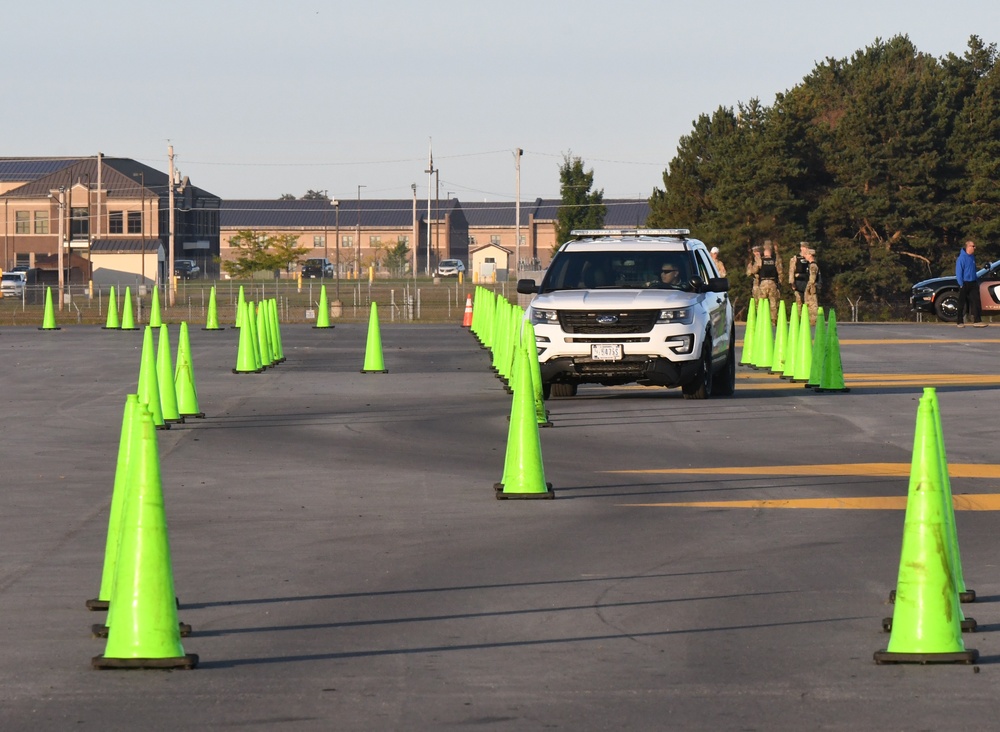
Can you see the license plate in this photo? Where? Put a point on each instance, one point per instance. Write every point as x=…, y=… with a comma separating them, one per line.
x=606, y=351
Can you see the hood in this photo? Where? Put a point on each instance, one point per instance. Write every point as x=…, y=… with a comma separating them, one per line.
x=616, y=299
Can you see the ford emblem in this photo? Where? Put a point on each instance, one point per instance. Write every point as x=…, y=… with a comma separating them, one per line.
x=607, y=319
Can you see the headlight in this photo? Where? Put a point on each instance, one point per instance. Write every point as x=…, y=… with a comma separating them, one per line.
x=923, y=291
x=542, y=317
x=683, y=316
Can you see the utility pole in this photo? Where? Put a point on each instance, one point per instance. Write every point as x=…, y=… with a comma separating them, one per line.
x=437, y=212
x=357, y=244
x=170, y=226
x=62, y=207
x=416, y=233
x=430, y=172
x=518, y=152
x=336, y=242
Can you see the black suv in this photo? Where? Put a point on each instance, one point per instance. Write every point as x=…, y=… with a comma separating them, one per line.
x=317, y=267
x=940, y=294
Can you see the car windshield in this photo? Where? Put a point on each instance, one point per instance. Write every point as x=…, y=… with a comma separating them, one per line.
x=588, y=270
x=12, y=277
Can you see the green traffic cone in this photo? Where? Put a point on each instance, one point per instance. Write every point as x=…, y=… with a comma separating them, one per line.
x=524, y=474
x=272, y=309
x=246, y=361
x=128, y=318
x=323, y=310
x=263, y=341
x=144, y=632
x=792, y=344
x=762, y=358
x=818, y=353
x=374, y=363
x=749, y=334
x=926, y=625
x=964, y=593
x=112, y=323
x=240, y=309
x=103, y=598
x=187, y=390
x=212, y=319
x=804, y=355
x=155, y=320
x=148, y=387
x=250, y=323
x=780, y=340
x=541, y=414
x=165, y=378
x=49, y=316
x=832, y=379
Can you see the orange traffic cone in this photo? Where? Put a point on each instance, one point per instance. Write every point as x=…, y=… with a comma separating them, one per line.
x=467, y=318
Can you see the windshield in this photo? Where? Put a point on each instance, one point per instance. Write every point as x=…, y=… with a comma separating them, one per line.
x=12, y=277
x=589, y=270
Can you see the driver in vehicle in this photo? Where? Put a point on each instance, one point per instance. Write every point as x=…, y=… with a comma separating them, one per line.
x=670, y=277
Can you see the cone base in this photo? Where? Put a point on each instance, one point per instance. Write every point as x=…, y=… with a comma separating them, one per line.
x=964, y=596
x=110, y=327
x=546, y=423
x=374, y=371
x=187, y=661
x=255, y=371
x=163, y=426
x=547, y=493
x=821, y=390
x=129, y=328
x=213, y=328
x=101, y=631
x=174, y=420
x=969, y=625
x=323, y=327
x=967, y=656
x=56, y=328
x=195, y=415
x=97, y=604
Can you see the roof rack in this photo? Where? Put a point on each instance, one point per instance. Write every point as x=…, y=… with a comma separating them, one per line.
x=630, y=232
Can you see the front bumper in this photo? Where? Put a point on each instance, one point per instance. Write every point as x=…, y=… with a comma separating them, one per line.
x=646, y=370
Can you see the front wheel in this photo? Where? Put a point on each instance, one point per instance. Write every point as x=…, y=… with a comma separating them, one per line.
x=701, y=386
x=946, y=306
x=563, y=390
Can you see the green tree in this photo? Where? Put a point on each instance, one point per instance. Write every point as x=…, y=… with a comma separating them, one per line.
x=258, y=252
x=312, y=195
x=397, y=257
x=286, y=197
x=581, y=208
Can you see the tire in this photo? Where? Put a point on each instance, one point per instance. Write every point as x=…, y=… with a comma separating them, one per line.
x=701, y=387
x=562, y=390
x=946, y=306
x=546, y=391
x=724, y=382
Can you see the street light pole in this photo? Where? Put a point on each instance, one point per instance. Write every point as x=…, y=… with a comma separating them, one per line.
x=357, y=244
x=416, y=234
x=62, y=207
x=518, y=152
x=326, y=235
x=336, y=241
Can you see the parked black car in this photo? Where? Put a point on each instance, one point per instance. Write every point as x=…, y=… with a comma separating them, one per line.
x=317, y=267
x=186, y=269
x=939, y=295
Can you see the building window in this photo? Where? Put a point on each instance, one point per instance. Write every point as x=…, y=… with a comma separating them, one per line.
x=116, y=222
x=472, y=241
x=495, y=239
x=79, y=223
x=23, y=219
x=374, y=240
x=522, y=241
x=134, y=222
x=319, y=242
x=404, y=240
x=41, y=222
x=347, y=242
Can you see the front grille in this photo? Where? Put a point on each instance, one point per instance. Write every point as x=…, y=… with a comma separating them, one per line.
x=582, y=321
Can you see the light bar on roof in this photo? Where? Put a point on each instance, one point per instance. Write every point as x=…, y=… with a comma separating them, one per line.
x=630, y=232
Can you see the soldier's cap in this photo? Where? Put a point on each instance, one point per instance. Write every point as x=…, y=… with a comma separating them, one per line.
x=804, y=244
x=715, y=250
x=756, y=248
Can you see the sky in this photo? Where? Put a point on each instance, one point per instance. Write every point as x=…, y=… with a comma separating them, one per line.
x=263, y=98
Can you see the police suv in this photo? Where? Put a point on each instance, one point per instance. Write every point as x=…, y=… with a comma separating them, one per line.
x=642, y=306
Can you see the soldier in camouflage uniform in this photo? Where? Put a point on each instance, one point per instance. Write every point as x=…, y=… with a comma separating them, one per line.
x=752, y=267
x=767, y=266
x=811, y=295
x=798, y=272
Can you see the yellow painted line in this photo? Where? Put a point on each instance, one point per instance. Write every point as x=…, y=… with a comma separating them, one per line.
x=765, y=380
x=905, y=341
x=879, y=470
x=973, y=502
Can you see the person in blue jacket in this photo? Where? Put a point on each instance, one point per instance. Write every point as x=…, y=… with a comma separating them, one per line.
x=968, y=293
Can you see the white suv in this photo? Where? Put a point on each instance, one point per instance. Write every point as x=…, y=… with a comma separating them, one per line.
x=642, y=306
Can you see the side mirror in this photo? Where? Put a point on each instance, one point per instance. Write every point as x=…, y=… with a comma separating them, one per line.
x=718, y=284
x=527, y=287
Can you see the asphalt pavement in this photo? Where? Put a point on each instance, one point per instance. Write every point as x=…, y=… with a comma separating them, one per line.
x=340, y=555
